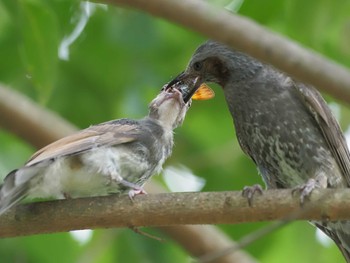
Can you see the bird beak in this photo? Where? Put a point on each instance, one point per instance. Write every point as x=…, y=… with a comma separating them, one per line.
x=193, y=83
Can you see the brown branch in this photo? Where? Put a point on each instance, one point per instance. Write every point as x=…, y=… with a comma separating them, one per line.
x=203, y=240
x=170, y=209
x=35, y=124
x=246, y=35
x=29, y=121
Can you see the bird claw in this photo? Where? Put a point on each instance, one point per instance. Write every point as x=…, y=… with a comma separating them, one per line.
x=249, y=192
x=306, y=189
x=136, y=191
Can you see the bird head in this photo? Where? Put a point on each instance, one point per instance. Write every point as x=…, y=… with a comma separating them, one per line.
x=169, y=106
x=215, y=62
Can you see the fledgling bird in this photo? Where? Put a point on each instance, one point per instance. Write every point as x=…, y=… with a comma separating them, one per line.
x=285, y=127
x=106, y=158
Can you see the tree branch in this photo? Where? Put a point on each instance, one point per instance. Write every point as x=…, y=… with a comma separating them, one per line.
x=247, y=36
x=170, y=209
x=33, y=123
x=202, y=240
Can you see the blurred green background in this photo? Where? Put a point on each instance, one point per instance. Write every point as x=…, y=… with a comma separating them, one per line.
x=117, y=63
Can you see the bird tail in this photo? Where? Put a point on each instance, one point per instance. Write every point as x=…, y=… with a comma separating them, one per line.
x=16, y=186
x=340, y=233
x=344, y=244
x=345, y=253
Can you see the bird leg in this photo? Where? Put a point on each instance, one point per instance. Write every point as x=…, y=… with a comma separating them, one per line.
x=135, y=189
x=305, y=190
x=249, y=192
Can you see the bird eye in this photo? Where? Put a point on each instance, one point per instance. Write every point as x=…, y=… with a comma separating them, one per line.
x=197, y=66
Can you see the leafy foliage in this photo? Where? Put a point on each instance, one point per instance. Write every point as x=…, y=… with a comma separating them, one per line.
x=116, y=66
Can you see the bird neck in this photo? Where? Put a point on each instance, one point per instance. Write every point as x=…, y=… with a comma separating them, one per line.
x=165, y=123
x=162, y=132
x=243, y=67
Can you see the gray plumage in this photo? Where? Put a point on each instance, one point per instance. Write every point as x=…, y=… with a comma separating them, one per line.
x=106, y=158
x=284, y=126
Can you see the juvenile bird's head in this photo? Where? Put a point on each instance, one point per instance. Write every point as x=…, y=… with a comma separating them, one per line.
x=169, y=107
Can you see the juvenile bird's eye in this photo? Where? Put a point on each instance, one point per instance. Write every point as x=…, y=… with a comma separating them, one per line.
x=197, y=66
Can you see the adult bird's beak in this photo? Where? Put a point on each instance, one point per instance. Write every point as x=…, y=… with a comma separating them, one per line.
x=193, y=83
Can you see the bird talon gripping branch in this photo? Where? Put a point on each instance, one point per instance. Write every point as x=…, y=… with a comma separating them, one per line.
x=250, y=191
x=305, y=190
x=133, y=192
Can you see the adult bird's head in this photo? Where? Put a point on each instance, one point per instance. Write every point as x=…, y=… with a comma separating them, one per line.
x=215, y=62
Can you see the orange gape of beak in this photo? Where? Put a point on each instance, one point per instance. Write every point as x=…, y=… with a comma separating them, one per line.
x=204, y=92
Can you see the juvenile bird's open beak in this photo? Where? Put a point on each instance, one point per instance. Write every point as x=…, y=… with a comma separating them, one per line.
x=193, y=83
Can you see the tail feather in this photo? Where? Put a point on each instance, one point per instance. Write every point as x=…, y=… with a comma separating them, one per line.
x=345, y=253
x=9, y=200
x=344, y=238
x=16, y=186
x=341, y=237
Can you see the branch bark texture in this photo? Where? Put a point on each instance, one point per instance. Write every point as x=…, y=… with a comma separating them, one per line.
x=171, y=209
x=245, y=35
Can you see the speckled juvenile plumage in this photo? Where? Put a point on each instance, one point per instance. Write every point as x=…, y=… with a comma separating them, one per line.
x=284, y=126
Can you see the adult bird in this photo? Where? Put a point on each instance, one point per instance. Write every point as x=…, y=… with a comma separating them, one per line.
x=285, y=127
x=106, y=158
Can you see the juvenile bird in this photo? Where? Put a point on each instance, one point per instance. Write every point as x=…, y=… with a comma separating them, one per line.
x=106, y=158
x=285, y=127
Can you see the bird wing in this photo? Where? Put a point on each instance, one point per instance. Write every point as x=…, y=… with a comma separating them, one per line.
x=17, y=183
x=105, y=134
x=329, y=126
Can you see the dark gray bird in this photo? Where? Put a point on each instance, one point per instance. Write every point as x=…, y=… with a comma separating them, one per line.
x=284, y=126
x=106, y=158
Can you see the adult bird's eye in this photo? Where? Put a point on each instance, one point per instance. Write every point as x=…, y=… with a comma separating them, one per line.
x=197, y=66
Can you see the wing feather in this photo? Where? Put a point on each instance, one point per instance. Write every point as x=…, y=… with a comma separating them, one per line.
x=109, y=133
x=328, y=125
